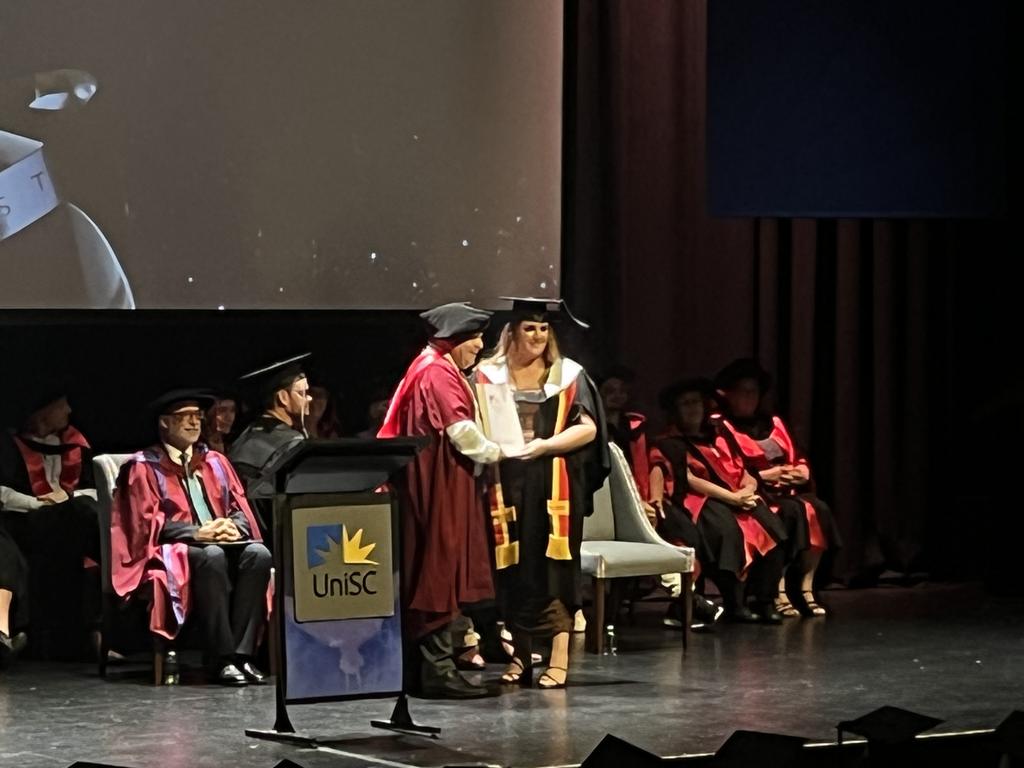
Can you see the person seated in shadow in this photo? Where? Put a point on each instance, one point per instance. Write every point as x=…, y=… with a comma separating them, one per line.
x=323, y=419
x=627, y=428
x=181, y=524
x=220, y=421
x=376, y=410
x=773, y=456
x=50, y=512
x=13, y=585
x=709, y=501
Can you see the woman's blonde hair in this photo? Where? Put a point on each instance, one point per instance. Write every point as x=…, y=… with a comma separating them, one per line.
x=507, y=337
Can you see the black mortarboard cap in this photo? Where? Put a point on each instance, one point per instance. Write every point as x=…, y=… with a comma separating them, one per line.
x=166, y=402
x=267, y=380
x=620, y=372
x=458, y=318
x=745, y=748
x=222, y=391
x=1010, y=734
x=531, y=306
x=668, y=396
x=23, y=398
x=888, y=725
x=743, y=368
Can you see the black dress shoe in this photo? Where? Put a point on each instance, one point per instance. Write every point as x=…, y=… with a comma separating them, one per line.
x=742, y=615
x=705, y=611
x=252, y=674
x=229, y=674
x=453, y=686
x=768, y=614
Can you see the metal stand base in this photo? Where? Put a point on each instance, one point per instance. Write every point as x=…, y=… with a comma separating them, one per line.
x=401, y=721
x=290, y=737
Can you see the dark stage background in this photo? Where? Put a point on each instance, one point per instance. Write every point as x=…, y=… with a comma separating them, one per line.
x=892, y=340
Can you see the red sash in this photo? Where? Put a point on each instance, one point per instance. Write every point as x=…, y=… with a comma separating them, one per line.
x=758, y=461
x=72, y=443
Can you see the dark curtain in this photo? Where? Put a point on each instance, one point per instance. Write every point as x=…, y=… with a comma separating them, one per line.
x=872, y=328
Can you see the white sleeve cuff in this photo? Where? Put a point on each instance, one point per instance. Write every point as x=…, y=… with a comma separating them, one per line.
x=471, y=442
x=14, y=501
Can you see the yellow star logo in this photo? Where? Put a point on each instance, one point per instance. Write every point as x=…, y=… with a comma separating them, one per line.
x=352, y=551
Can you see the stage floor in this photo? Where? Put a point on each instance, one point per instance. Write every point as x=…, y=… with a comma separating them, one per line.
x=943, y=650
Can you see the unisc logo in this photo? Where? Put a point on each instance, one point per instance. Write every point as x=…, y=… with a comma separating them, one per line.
x=331, y=555
x=343, y=566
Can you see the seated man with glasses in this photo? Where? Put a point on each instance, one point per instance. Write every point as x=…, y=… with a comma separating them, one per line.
x=181, y=524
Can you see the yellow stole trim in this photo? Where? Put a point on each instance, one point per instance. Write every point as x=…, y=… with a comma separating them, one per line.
x=558, y=503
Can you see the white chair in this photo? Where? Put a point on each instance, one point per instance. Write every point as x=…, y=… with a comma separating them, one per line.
x=620, y=542
x=107, y=467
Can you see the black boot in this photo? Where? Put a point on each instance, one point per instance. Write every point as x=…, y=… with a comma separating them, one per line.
x=765, y=574
x=733, y=599
x=438, y=677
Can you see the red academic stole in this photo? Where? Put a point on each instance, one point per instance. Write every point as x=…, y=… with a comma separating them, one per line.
x=70, y=450
x=503, y=518
x=755, y=454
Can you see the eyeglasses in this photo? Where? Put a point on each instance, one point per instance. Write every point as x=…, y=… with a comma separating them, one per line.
x=190, y=416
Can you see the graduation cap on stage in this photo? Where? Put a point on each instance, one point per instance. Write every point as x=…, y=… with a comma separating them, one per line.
x=888, y=726
x=264, y=382
x=26, y=397
x=668, y=396
x=458, y=318
x=173, y=399
x=745, y=748
x=530, y=307
x=221, y=391
x=740, y=369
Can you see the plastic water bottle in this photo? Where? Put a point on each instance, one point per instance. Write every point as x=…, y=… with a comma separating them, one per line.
x=610, y=647
x=171, y=668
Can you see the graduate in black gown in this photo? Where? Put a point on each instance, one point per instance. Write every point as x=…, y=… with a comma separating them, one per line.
x=540, y=498
x=281, y=391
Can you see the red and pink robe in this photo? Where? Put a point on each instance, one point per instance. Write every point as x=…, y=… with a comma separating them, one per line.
x=150, y=492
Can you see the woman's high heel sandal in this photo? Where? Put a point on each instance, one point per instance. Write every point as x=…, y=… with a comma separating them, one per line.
x=813, y=607
x=548, y=682
x=518, y=673
x=469, y=659
x=520, y=670
x=785, y=608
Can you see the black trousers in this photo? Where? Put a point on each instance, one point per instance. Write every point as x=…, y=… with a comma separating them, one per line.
x=13, y=578
x=63, y=597
x=229, y=592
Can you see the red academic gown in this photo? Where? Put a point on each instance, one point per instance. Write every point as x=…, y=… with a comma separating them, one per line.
x=446, y=559
x=757, y=460
x=726, y=469
x=149, y=493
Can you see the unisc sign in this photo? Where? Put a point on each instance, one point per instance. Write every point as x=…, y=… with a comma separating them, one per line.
x=342, y=560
